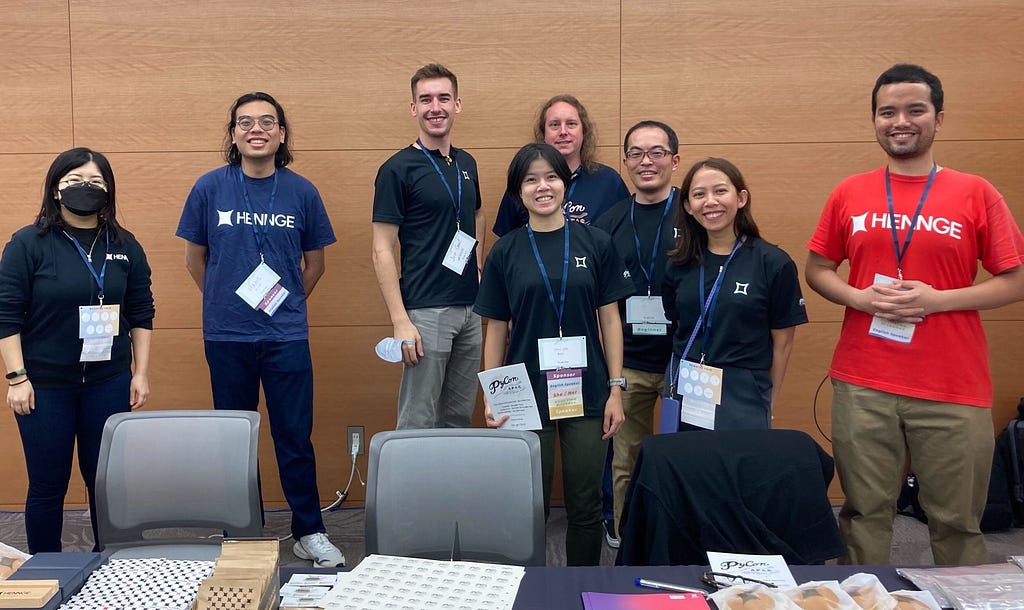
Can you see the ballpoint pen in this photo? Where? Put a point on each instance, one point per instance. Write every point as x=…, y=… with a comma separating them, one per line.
x=667, y=586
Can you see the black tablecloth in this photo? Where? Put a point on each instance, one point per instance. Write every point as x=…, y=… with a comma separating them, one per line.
x=560, y=588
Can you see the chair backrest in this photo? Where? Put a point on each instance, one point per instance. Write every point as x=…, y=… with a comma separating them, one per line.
x=423, y=483
x=177, y=469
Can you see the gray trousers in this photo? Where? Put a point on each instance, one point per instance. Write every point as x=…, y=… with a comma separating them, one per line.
x=440, y=391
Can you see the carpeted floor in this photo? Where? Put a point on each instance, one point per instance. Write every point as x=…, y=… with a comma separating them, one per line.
x=345, y=527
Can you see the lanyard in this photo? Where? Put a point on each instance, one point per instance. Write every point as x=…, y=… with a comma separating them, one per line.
x=913, y=222
x=260, y=237
x=572, y=185
x=560, y=306
x=88, y=264
x=648, y=275
x=456, y=203
x=707, y=310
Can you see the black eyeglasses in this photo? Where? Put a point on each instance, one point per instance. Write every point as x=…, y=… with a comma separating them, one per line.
x=266, y=122
x=711, y=578
x=655, y=154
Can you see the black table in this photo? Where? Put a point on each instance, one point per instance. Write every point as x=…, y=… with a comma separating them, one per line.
x=559, y=588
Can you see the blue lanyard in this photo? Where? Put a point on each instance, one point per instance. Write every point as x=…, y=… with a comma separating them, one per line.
x=88, y=264
x=913, y=222
x=560, y=306
x=572, y=185
x=709, y=303
x=261, y=238
x=456, y=203
x=657, y=238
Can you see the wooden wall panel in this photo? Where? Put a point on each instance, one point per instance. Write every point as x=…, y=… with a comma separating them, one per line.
x=341, y=69
x=781, y=88
x=36, y=76
x=782, y=71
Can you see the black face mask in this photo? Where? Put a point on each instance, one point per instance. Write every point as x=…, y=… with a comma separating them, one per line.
x=83, y=199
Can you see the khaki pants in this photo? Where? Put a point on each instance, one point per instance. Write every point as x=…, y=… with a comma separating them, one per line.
x=642, y=392
x=950, y=449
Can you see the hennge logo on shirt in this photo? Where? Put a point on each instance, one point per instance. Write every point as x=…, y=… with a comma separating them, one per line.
x=260, y=219
x=931, y=224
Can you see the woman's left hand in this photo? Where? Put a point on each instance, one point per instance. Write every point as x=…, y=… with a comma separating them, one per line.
x=613, y=414
x=139, y=391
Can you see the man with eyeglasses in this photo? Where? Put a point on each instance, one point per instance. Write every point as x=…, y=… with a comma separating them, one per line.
x=642, y=227
x=427, y=199
x=247, y=226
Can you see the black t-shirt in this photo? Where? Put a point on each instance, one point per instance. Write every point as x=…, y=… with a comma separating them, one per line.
x=512, y=289
x=760, y=292
x=409, y=193
x=643, y=352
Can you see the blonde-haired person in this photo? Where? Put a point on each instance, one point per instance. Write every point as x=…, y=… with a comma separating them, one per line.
x=563, y=122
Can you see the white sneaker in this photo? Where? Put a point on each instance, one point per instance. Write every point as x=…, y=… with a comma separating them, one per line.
x=318, y=549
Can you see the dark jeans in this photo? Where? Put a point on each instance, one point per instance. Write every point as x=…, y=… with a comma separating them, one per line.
x=286, y=371
x=48, y=436
x=583, y=457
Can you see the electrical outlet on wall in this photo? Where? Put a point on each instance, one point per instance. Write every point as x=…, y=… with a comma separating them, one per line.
x=356, y=439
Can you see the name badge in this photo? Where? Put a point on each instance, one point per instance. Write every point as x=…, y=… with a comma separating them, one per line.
x=459, y=252
x=562, y=353
x=696, y=412
x=565, y=393
x=645, y=310
x=700, y=389
x=262, y=290
x=900, y=332
x=97, y=321
x=96, y=349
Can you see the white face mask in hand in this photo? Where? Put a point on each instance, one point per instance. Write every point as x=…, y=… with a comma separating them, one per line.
x=389, y=349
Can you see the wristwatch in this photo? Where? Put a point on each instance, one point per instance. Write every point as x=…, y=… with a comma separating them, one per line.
x=617, y=381
x=17, y=373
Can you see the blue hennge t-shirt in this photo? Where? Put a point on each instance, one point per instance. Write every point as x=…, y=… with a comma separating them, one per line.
x=288, y=222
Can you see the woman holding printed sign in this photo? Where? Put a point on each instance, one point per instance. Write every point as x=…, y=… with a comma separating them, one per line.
x=557, y=284
x=75, y=311
x=735, y=300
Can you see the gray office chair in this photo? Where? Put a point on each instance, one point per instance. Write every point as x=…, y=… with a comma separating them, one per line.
x=424, y=484
x=177, y=469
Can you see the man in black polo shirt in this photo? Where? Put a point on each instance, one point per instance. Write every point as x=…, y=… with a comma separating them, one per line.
x=427, y=199
x=642, y=228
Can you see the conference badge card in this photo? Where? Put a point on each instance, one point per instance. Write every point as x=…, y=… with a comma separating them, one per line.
x=764, y=568
x=508, y=391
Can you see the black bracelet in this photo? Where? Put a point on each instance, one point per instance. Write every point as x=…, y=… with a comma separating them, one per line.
x=18, y=382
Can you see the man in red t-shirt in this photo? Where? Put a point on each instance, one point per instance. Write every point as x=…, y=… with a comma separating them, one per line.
x=910, y=371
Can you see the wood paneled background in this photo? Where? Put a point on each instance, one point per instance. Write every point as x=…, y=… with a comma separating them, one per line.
x=781, y=87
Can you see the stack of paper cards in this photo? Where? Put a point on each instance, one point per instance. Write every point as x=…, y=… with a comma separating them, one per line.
x=245, y=577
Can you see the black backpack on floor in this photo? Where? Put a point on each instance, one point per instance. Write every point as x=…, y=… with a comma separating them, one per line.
x=1011, y=442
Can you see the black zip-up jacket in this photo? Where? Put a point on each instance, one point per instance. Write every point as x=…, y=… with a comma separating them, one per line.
x=43, y=281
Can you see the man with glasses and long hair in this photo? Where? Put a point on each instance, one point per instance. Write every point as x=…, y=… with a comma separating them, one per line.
x=255, y=234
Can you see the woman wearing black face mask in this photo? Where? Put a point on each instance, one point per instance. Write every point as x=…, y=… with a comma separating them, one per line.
x=75, y=310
